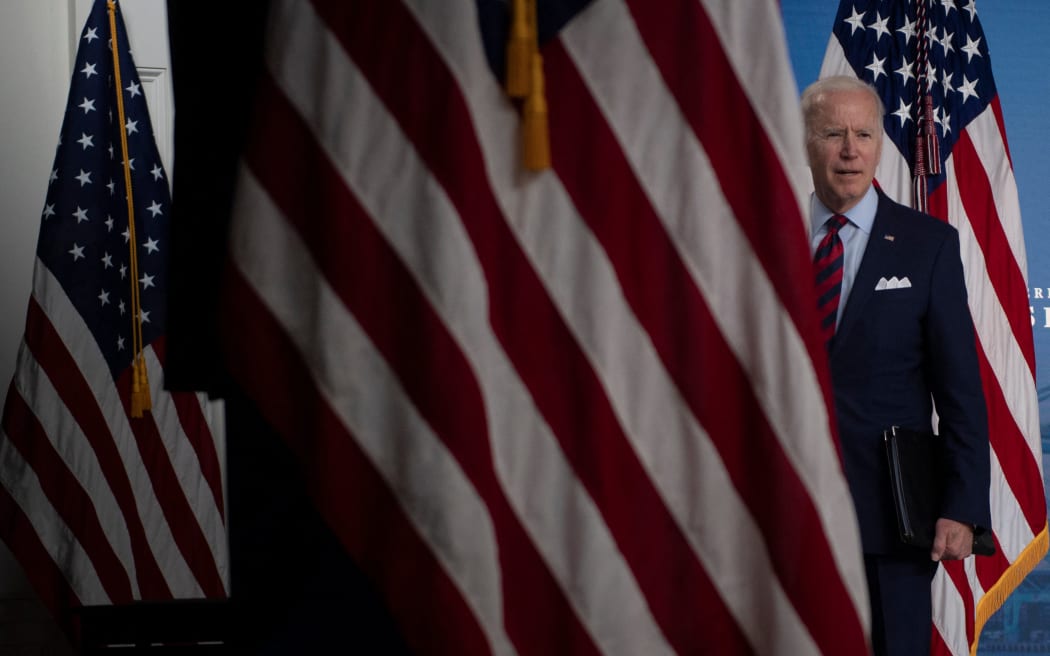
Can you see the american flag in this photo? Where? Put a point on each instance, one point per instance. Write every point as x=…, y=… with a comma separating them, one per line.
x=975, y=191
x=98, y=506
x=578, y=411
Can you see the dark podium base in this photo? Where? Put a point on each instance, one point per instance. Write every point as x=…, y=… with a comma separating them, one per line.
x=159, y=628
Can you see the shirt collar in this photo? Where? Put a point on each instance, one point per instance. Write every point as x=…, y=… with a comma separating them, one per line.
x=861, y=215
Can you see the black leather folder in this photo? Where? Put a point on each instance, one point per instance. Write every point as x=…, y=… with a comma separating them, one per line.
x=916, y=463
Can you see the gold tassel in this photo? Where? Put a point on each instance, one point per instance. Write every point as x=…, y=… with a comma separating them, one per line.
x=140, y=396
x=519, y=47
x=525, y=80
x=537, y=148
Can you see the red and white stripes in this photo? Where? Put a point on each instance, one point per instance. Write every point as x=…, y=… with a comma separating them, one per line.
x=126, y=509
x=590, y=402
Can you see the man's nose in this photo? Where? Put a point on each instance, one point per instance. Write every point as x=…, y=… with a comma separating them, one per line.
x=849, y=146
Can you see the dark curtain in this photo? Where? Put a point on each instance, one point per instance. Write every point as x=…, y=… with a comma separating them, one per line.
x=294, y=590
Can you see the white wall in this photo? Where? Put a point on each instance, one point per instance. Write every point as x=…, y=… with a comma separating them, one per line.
x=35, y=67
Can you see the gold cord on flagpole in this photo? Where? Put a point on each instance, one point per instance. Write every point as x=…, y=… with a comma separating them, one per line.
x=140, y=397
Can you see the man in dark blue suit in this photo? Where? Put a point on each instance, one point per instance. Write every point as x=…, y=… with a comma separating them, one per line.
x=901, y=344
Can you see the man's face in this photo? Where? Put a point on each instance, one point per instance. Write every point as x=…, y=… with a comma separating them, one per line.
x=844, y=144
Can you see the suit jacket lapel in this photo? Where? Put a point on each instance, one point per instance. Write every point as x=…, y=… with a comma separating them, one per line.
x=876, y=255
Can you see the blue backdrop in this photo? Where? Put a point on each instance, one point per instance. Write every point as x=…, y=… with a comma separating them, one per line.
x=1015, y=33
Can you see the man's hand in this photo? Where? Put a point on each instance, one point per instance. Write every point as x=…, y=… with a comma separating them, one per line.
x=953, y=541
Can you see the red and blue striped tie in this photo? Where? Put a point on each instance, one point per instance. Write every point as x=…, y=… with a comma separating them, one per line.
x=827, y=262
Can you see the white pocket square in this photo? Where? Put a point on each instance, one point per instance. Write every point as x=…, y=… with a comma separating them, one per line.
x=893, y=283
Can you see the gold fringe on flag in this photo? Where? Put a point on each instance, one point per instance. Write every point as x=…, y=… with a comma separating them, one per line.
x=140, y=397
x=995, y=597
x=525, y=80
